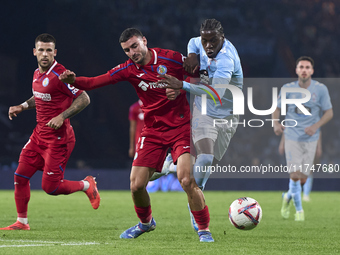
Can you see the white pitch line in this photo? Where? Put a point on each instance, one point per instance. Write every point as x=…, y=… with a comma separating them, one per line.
x=43, y=243
x=24, y=245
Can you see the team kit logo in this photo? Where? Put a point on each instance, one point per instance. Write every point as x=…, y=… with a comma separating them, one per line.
x=161, y=69
x=45, y=82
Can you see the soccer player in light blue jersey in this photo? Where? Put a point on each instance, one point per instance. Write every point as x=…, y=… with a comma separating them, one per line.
x=301, y=140
x=219, y=64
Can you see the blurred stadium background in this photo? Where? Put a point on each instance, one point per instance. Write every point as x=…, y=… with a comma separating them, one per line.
x=268, y=34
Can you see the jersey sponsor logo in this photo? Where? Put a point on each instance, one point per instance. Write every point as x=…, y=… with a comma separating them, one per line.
x=140, y=75
x=73, y=89
x=45, y=82
x=186, y=147
x=43, y=96
x=161, y=69
x=152, y=85
x=49, y=173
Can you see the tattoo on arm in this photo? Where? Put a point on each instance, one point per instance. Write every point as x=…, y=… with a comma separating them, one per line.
x=31, y=103
x=77, y=106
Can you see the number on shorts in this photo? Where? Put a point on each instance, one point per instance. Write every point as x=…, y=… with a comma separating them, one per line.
x=142, y=143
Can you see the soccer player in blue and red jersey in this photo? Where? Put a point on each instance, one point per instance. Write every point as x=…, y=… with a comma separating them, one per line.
x=167, y=125
x=53, y=140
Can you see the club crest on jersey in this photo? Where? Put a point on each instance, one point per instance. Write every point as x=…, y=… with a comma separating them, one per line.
x=45, y=82
x=161, y=69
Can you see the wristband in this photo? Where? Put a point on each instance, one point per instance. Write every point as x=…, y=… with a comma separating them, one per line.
x=24, y=105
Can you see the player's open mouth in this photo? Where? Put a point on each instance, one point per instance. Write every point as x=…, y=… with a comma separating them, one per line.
x=210, y=52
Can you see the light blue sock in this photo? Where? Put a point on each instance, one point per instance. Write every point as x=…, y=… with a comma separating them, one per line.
x=307, y=187
x=201, y=169
x=295, y=191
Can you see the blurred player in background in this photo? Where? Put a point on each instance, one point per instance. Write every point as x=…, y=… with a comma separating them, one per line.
x=307, y=187
x=167, y=125
x=219, y=63
x=53, y=140
x=136, y=118
x=301, y=140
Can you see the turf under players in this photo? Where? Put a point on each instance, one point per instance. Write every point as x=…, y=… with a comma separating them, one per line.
x=301, y=140
x=167, y=125
x=53, y=140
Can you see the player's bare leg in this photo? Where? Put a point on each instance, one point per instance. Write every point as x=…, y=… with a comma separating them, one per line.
x=195, y=195
x=139, y=179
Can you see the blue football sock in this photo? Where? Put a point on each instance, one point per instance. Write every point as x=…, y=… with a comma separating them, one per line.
x=202, y=170
x=307, y=187
x=295, y=191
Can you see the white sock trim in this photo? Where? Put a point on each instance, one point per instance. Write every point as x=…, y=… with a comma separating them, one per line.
x=23, y=220
x=86, y=185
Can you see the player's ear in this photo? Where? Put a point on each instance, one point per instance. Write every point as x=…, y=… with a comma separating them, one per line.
x=55, y=52
x=34, y=51
x=145, y=42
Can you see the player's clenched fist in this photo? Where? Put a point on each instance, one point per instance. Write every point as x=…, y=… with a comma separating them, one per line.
x=68, y=77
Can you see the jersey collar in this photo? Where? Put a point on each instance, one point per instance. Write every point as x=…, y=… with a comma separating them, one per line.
x=52, y=66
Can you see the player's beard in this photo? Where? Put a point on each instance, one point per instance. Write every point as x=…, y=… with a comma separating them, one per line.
x=44, y=65
x=142, y=57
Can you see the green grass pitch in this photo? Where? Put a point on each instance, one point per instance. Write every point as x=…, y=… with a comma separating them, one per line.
x=69, y=225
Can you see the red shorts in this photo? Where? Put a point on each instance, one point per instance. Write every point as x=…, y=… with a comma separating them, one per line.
x=52, y=160
x=153, y=146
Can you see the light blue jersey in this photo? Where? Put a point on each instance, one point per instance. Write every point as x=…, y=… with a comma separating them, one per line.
x=320, y=101
x=224, y=69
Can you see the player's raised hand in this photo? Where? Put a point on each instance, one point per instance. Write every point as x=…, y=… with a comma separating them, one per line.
x=68, y=77
x=169, y=81
x=191, y=63
x=56, y=122
x=172, y=93
x=14, y=111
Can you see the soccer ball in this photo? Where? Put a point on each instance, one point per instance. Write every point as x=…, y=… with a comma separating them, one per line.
x=245, y=213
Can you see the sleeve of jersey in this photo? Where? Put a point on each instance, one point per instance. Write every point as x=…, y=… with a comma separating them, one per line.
x=193, y=45
x=325, y=99
x=222, y=76
x=90, y=83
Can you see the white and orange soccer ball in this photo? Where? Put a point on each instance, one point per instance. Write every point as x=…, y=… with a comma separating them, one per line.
x=245, y=213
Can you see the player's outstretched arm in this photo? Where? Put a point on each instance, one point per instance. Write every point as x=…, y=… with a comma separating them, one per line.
x=172, y=93
x=68, y=77
x=191, y=63
x=15, y=110
x=76, y=107
x=169, y=81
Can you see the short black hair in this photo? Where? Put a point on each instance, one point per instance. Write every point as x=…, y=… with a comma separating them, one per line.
x=128, y=33
x=46, y=38
x=305, y=58
x=212, y=24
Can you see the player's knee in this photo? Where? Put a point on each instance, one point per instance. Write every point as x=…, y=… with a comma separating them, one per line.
x=50, y=187
x=204, y=160
x=136, y=187
x=295, y=176
x=20, y=180
x=186, y=182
